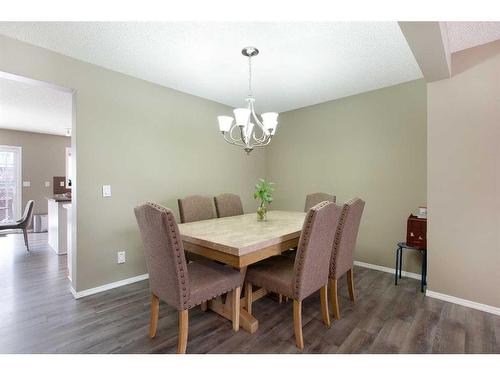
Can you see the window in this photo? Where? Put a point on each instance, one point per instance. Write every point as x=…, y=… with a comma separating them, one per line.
x=10, y=183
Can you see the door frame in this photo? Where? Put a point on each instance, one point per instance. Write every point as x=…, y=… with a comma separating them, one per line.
x=19, y=205
x=74, y=155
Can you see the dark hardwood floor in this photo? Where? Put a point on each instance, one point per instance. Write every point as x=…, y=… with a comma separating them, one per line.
x=39, y=315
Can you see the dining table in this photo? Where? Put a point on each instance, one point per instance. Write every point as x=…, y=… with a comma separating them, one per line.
x=240, y=241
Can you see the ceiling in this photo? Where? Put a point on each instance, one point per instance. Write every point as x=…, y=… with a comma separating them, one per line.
x=463, y=35
x=299, y=64
x=34, y=108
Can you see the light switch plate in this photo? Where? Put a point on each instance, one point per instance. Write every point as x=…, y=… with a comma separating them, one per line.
x=106, y=191
x=26, y=183
x=120, y=257
x=47, y=183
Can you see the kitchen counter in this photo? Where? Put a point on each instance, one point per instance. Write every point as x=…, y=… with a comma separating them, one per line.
x=57, y=223
x=59, y=198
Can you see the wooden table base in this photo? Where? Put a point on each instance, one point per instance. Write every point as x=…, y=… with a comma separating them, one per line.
x=215, y=239
x=247, y=321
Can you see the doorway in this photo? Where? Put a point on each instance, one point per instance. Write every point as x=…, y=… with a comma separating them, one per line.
x=37, y=163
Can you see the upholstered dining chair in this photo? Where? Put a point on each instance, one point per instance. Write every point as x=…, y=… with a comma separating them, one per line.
x=299, y=277
x=315, y=198
x=172, y=280
x=228, y=205
x=23, y=223
x=342, y=260
x=195, y=208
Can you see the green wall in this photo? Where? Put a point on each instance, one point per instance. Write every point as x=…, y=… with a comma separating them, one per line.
x=153, y=143
x=372, y=146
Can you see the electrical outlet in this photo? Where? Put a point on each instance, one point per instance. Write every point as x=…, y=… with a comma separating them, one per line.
x=61, y=183
x=47, y=183
x=26, y=183
x=121, y=257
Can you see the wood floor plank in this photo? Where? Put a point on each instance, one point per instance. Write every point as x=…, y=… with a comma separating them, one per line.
x=421, y=334
x=358, y=342
x=38, y=314
x=391, y=337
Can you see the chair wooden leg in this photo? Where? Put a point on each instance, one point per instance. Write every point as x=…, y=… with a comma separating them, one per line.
x=333, y=299
x=235, y=308
x=183, y=331
x=280, y=298
x=155, y=307
x=248, y=297
x=323, y=293
x=297, y=324
x=204, y=306
x=25, y=233
x=350, y=284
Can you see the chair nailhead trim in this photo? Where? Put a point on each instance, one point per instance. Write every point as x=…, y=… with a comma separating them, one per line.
x=303, y=242
x=210, y=298
x=177, y=249
x=338, y=235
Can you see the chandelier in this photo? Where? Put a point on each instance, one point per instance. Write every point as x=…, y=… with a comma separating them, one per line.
x=248, y=131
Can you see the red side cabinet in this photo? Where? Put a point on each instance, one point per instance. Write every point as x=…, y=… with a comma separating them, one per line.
x=416, y=232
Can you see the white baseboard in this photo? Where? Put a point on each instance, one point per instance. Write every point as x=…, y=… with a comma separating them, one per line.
x=430, y=293
x=411, y=275
x=102, y=288
x=463, y=302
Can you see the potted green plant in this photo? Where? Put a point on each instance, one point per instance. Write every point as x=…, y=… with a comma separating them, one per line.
x=263, y=191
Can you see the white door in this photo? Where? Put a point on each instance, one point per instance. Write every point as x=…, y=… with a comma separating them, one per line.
x=10, y=183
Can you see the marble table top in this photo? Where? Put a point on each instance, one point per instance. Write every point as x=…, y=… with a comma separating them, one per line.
x=243, y=234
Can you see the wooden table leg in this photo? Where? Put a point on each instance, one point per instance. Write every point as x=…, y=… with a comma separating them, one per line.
x=247, y=321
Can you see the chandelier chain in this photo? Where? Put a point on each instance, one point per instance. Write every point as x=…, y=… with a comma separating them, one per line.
x=249, y=76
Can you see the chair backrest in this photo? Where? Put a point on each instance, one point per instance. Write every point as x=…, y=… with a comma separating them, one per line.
x=344, y=244
x=315, y=198
x=27, y=217
x=165, y=260
x=195, y=208
x=228, y=205
x=315, y=248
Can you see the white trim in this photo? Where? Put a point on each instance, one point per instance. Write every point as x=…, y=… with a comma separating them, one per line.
x=411, y=275
x=74, y=205
x=430, y=293
x=34, y=82
x=102, y=288
x=463, y=302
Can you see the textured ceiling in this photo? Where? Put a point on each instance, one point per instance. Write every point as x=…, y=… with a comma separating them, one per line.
x=299, y=63
x=463, y=35
x=34, y=108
